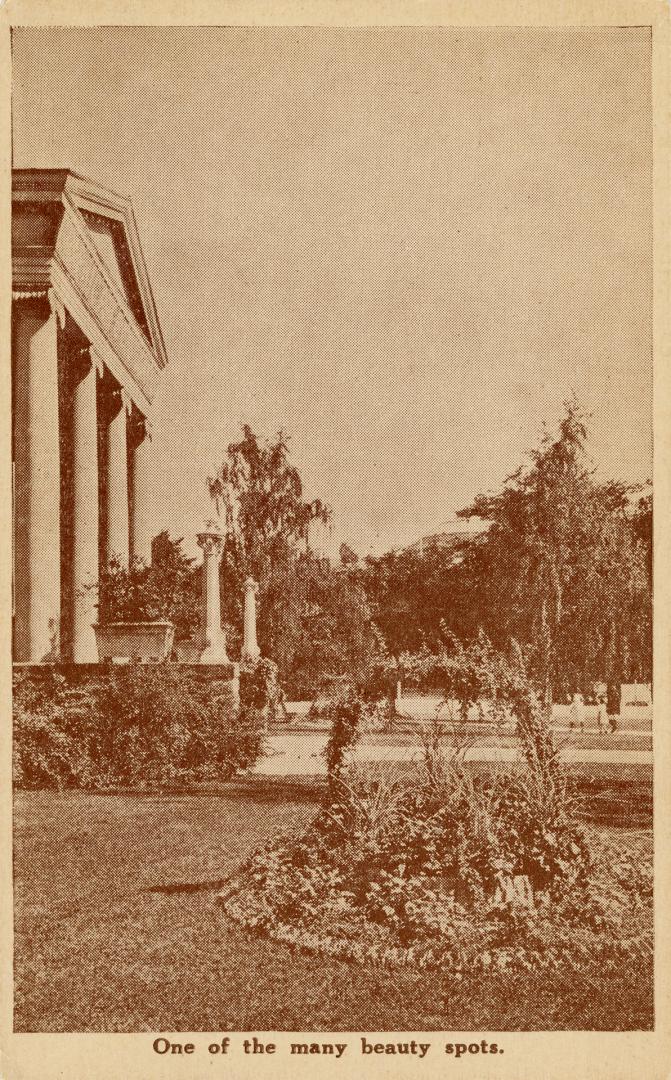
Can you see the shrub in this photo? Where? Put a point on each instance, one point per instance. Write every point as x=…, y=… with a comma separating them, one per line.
x=44, y=755
x=518, y=825
x=309, y=894
x=168, y=587
x=448, y=868
x=163, y=723
x=350, y=704
x=50, y=748
x=344, y=709
x=433, y=862
x=135, y=724
x=260, y=691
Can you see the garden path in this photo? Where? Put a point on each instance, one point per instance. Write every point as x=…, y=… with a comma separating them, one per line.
x=301, y=754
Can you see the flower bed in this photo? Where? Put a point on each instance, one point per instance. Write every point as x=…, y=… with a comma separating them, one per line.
x=410, y=875
x=445, y=868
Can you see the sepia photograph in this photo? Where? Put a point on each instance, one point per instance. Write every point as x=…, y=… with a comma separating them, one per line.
x=332, y=532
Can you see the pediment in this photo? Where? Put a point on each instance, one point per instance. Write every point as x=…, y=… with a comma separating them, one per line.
x=48, y=201
x=109, y=236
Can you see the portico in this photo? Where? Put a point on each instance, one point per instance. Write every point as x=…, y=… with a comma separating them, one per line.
x=87, y=352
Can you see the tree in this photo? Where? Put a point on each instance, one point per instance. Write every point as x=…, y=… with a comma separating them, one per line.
x=413, y=593
x=562, y=567
x=260, y=494
x=314, y=619
x=316, y=624
x=347, y=556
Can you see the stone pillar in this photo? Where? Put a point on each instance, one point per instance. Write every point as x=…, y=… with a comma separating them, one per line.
x=116, y=485
x=37, y=571
x=212, y=638
x=250, y=648
x=139, y=457
x=84, y=509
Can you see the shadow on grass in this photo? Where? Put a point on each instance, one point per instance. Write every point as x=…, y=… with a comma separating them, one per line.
x=188, y=887
x=258, y=789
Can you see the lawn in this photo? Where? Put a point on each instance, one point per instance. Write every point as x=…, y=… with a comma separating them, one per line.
x=116, y=929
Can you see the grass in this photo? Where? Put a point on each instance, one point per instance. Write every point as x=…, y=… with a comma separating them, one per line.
x=116, y=929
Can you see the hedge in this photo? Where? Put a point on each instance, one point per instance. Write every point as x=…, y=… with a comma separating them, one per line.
x=131, y=725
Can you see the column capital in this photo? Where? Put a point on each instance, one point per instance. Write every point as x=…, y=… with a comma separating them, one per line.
x=142, y=423
x=30, y=294
x=83, y=358
x=119, y=399
x=211, y=540
x=139, y=427
x=45, y=295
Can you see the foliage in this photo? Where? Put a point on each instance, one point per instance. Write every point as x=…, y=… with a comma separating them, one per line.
x=338, y=890
x=470, y=833
x=46, y=749
x=137, y=724
x=345, y=709
x=432, y=863
x=313, y=619
x=475, y=674
x=564, y=568
x=500, y=686
x=166, y=589
x=347, y=556
x=260, y=494
x=260, y=690
x=167, y=724
x=412, y=593
x=315, y=622
x=350, y=702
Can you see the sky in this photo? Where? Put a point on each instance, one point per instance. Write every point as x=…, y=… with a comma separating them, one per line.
x=404, y=246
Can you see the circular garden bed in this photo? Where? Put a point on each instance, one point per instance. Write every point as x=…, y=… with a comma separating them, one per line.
x=447, y=871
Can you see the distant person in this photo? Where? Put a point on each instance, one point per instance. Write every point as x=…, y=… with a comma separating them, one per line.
x=602, y=715
x=578, y=712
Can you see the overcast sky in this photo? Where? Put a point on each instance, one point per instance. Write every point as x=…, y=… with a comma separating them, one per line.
x=405, y=246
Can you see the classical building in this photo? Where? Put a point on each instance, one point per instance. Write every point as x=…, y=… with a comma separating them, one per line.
x=87, y=352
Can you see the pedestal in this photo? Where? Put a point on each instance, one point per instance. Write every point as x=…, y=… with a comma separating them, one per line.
x=250, y=647
x=211, y=640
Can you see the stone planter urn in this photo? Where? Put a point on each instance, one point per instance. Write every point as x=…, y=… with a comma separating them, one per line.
x=144, y=641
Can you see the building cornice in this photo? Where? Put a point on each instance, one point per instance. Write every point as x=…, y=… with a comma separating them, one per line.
x=70, y=194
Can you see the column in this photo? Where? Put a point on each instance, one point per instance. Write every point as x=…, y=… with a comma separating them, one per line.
x=84, y=510
x=139, y=455
x=37, y=480
x=116, y=486
x=212, y=637
x=250, y=648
